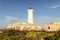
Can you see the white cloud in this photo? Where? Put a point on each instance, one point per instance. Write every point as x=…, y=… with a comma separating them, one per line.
x=6, y=20
x=41, y=20
x=56, y=6
x=9, y=19
x=53, y=4
x=44, y=19
x=38, y=20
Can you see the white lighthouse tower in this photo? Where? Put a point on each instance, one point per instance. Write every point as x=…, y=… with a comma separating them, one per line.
x=30, y=15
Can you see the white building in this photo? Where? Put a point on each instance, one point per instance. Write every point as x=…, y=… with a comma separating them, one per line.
x=30, y=15
x=52, y=26
x=24, y=26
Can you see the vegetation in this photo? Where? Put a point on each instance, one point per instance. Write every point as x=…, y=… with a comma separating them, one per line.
x=29, y=35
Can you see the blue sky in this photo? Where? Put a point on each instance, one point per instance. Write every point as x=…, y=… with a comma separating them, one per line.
x=45, y=11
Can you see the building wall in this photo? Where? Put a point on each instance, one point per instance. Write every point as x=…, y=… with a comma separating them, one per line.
x=30, y=16
x=24, y=26
x=52, y=26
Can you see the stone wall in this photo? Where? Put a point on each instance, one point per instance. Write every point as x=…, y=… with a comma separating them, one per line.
x=52, y=26
x=24, y=26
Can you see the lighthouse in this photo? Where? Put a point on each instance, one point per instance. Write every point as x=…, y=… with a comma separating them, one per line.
x=30, y=15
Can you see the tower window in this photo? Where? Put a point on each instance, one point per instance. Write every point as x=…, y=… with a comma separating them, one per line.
x=48, y=27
